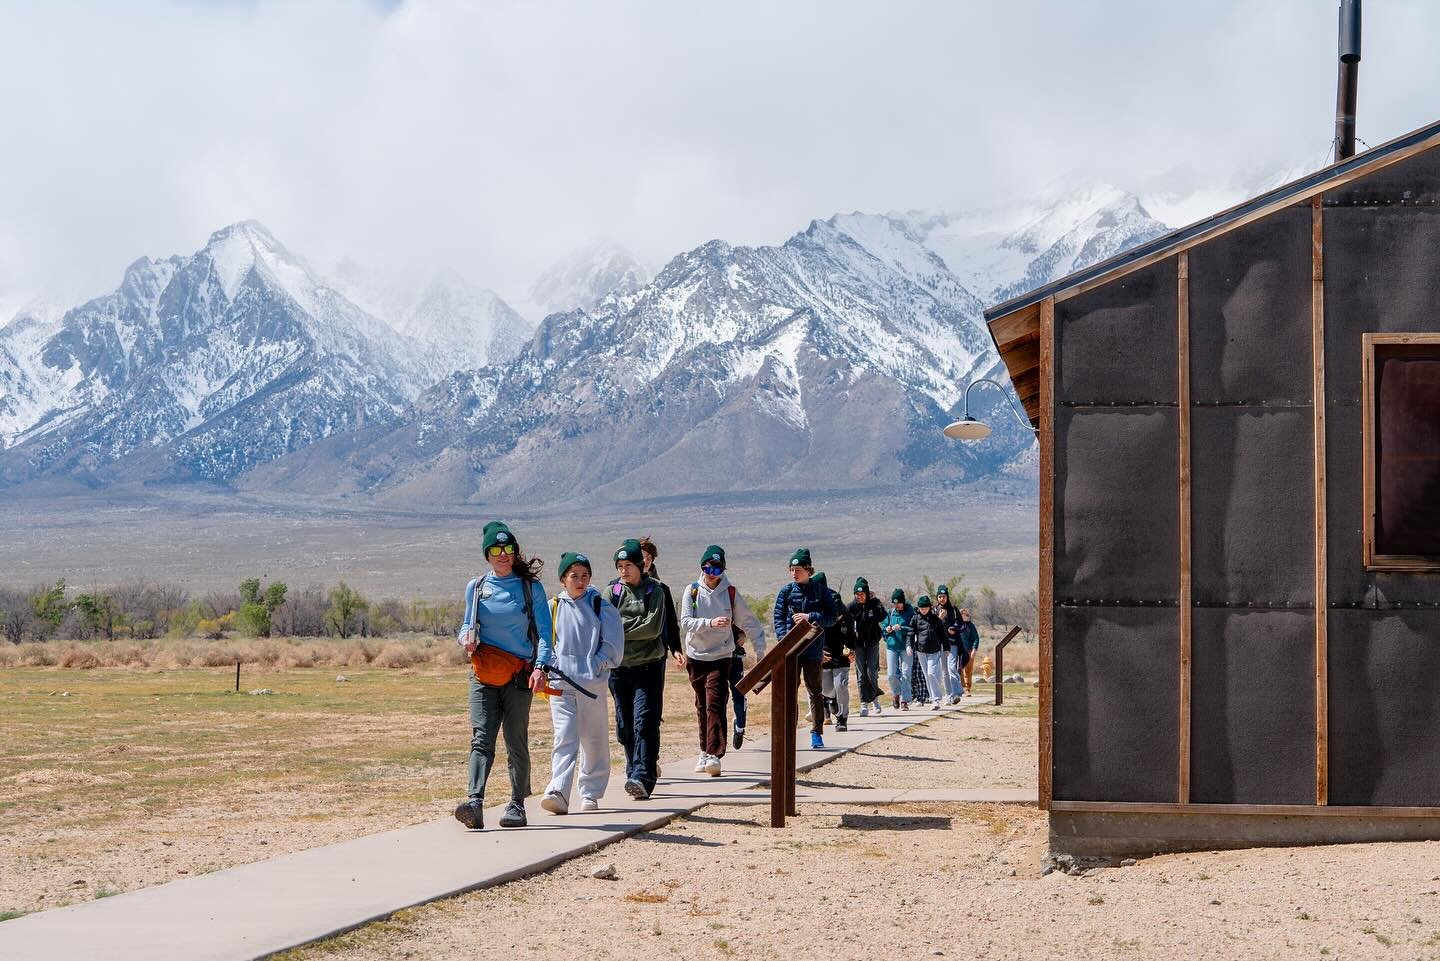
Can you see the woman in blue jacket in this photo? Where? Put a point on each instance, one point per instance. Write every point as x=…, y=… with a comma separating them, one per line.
x=895, y=629
x=505, y=617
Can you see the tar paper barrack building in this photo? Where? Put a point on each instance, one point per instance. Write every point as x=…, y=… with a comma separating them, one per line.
x=1240, y=519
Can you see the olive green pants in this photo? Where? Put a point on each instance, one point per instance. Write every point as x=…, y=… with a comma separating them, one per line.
x=493, y=709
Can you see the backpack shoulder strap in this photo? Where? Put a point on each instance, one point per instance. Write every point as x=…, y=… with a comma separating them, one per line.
x=531, y=630
x=596, y=602
x=732, y=602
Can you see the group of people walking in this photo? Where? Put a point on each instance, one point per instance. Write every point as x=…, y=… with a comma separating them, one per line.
x=586, y=642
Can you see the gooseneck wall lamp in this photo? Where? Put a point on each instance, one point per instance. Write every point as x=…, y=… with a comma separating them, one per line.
x=968, y=428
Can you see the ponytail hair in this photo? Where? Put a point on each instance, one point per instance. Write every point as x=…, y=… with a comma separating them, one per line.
x=528, y=569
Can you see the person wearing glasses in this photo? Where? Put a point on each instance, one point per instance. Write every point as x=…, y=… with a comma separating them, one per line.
x=505, y=617
x=638, y=684
x=716, y=621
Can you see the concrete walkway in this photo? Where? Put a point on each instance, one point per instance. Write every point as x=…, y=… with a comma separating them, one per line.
x=255, y=910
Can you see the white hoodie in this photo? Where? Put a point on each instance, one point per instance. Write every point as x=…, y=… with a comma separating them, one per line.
x=701, y=605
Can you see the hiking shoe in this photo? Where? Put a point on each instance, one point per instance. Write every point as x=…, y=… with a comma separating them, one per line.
x=636, y=790
x=738, y=738
x=712, y=765
x=816, y=741
x=700, y=764
x=471, y=814
x=878, y=712
x=514, y=816
x=589, y=804
x=895, y=701
x=904, y=705
x=840, y=725
x=864, y=710
x=555, y=803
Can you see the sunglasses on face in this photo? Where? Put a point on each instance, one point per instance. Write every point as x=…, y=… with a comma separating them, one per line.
x=712, y=570
x=499, y=549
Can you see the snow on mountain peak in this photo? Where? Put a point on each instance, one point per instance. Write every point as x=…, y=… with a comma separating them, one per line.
x=585, y=277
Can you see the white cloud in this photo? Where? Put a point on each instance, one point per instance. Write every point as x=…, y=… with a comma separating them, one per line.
x=496, y=136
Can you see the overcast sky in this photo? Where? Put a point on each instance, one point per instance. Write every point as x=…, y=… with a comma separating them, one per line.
x=494, y=137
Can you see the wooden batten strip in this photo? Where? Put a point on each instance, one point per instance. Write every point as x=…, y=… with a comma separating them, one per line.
x=1047, y=550
x=1186, y=608
x=1273, y=810
x=1322, y=595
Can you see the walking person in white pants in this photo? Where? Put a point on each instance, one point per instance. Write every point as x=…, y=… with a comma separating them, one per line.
x=586, y=641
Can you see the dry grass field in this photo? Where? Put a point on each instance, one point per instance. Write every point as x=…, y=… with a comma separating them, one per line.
x=118, y=778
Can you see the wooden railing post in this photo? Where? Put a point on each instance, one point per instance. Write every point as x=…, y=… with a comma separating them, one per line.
x=1000, y=665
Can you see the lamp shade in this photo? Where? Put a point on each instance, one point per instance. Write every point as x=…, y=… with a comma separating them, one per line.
x=967, y=428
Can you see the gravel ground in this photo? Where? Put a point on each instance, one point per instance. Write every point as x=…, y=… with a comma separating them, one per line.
x=915, y=881
x=982, y=747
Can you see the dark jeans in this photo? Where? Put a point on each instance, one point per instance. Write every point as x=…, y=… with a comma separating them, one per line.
x=867, y=672
x=710, y=679
x=810, y=673
x=492, y=709
x=737, y=671
x=639, y=694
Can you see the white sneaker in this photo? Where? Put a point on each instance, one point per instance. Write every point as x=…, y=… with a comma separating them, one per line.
x=878, y=712
x=589, y=804
x=554, y=802
x=712, y=765
x=701, y=762
x=864, y=710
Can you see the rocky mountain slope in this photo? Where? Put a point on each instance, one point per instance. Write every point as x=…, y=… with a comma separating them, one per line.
x=831, y=360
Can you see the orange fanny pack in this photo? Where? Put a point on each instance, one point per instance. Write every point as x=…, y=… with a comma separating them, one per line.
x=495, y=667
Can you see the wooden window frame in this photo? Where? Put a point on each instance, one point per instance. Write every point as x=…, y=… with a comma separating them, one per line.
x=1375, y=561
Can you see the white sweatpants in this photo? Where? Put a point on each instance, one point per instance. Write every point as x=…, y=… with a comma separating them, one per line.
x=934, y=665
x=582, y=727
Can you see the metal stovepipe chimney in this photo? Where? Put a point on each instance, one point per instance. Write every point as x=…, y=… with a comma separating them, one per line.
x=1348, y=82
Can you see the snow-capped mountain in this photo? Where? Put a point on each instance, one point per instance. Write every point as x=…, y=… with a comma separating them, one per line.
x=455, y=324
x=584, y=278
x=1000, y=254
x=832, y=360
x=199, y=367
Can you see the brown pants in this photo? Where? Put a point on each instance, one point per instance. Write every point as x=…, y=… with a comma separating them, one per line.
x=970, y=669
x=711, y=681
x=810, y=673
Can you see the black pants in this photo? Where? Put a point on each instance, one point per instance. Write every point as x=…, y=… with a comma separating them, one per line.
x=810, y=674
x=867, y=672
x=639, y=694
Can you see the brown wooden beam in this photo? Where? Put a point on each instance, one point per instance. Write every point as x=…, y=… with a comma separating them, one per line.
x=1186, y=608
x=1047, y=550
x=1277, y=810
x=1322, y=592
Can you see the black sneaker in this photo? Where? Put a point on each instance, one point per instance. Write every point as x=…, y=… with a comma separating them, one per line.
x=471, y=814
x=514, y=816
x=841, y=726
x=738, y=738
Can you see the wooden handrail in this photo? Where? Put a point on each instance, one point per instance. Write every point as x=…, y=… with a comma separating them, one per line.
x=1000, y=665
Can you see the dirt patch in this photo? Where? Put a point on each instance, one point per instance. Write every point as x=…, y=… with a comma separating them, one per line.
x=924, y=881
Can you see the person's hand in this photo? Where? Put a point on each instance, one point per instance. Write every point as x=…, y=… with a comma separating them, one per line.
x=679, y=658
x=719, y=622
x=801, y=618
x=537, y=679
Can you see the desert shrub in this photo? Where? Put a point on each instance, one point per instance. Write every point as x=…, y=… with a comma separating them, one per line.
x=37, y=655
x=10, y=655
x=451, y=655
x=77, y=656
x=397, y=655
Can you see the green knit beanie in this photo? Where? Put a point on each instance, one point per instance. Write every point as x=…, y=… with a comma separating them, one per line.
x=897, y=595
x=630, y=551
x=570, y=558
x=497, y=534
x=924, y=601
x=714, y=556
x=819, y=578
x=861, y=584
x=801, y=558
